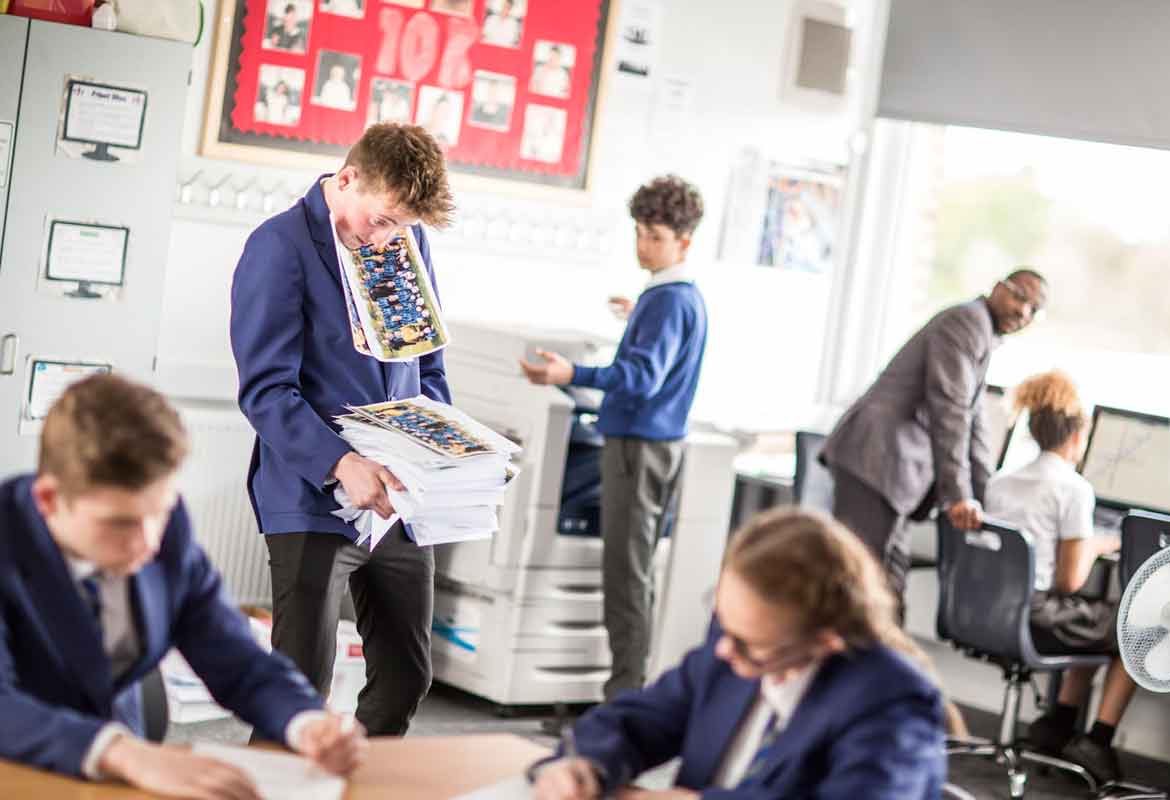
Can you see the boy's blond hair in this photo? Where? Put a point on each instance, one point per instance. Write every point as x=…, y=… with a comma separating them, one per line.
x=106, y=431
x=406, y=161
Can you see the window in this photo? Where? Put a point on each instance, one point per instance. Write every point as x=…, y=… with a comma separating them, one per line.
x=1093, y=218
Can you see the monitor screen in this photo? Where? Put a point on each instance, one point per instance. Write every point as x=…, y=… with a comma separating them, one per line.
x=1020, y=449
x=1128, y=459
x=997, y=420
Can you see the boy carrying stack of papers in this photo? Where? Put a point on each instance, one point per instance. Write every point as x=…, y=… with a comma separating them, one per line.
x=454, y=470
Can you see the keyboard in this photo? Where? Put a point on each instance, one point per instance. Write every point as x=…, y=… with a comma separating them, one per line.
x=1107, y=521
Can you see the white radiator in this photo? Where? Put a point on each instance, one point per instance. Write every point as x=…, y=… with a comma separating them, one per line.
x=212, y=483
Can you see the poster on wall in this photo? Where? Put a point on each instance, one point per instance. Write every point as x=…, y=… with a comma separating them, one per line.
x=84, y=259
x=509, y=88
x=100, y=121
x=48, y=378
x=801, y=213
x=782, y=215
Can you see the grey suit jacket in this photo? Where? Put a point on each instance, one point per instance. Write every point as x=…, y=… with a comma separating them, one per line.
x=919, y=424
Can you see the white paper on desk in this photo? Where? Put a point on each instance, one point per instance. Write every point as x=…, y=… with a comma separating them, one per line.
x=511, y=789
x=278, y=776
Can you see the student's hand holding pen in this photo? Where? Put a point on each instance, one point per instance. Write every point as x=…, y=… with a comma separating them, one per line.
x=336, y=742
x=569, y=777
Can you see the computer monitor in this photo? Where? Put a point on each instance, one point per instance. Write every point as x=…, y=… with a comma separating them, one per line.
x=1020, y=449
x=998, y=418
x=1128, y=459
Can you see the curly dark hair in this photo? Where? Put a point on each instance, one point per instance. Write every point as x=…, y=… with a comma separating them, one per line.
x=406, y=160
x=668, y=200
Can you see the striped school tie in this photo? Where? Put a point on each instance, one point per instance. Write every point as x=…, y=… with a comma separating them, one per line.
x=771, y=733
x=93, y=597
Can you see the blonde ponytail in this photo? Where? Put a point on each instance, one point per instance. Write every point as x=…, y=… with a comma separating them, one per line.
x=1055, y=411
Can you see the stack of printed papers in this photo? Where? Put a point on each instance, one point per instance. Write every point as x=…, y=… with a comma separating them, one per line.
x=453, y=469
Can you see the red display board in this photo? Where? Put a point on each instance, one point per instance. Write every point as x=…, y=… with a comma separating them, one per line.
x=508, y=87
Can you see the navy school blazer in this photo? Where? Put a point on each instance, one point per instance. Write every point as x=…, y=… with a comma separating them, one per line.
x=870, y=725
x=297, y=366
x=56, y=690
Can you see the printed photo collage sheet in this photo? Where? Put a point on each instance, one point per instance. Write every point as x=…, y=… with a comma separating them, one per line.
x=393, y=313
x=438, y=427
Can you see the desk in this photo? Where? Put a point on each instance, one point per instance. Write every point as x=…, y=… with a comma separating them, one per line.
x=420, y=768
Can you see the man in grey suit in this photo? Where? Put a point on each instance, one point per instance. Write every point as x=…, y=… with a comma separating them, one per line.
x=916, y=438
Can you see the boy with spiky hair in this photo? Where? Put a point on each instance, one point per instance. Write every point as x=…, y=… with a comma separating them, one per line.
x=298, y=369
x=649, y=389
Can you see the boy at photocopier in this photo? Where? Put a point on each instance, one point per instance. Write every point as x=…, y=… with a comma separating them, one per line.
x=649, y=389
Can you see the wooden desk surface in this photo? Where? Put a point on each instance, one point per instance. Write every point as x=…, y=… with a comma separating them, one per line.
x=418, y=768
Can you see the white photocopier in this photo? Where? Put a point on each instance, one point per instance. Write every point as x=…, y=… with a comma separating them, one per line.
x=518, y=617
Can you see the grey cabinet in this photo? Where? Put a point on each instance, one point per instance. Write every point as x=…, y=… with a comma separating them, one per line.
x=37, y=324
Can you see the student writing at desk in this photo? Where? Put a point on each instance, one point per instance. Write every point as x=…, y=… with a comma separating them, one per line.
x=805, y=687
x=99, y=578
x=1051, y=501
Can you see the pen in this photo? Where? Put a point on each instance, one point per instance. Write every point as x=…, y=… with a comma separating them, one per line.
x=569, y=742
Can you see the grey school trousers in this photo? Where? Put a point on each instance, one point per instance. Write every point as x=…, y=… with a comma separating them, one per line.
x=639, y=479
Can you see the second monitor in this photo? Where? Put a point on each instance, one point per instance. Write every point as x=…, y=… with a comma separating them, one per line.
x=1128, y=459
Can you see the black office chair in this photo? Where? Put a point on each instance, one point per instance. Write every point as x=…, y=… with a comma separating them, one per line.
x=812, y=483
x=985, y=588
x=1143, y=533
x=154, y=706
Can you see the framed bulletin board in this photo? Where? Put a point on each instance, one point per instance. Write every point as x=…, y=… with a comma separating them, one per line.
x=510, y=88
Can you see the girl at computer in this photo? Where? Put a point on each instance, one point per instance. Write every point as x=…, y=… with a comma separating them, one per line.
x=805, y=687
x=1049, y=499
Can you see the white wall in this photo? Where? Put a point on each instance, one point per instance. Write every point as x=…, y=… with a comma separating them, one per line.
x=766, y=325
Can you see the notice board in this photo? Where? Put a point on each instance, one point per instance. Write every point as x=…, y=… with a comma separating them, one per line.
x=510, y=88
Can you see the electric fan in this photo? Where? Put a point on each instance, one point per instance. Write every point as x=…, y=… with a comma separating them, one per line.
x=1143, y=624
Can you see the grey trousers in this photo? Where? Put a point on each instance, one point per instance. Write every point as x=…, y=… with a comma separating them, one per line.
x=864, y=511
x=393, y=597
x=639, y=478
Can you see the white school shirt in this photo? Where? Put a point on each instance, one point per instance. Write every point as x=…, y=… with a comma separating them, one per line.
x=776, y=698
x=120, y=641
x=1048, y=499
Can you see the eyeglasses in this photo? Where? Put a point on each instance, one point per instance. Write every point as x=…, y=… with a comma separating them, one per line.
x=1035, y=306
x=784, y=655
x=777, y=656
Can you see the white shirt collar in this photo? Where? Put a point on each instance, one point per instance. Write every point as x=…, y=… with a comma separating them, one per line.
x=80, y=570
x=677, y=273
x=783, y=698
x=1051, y=461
